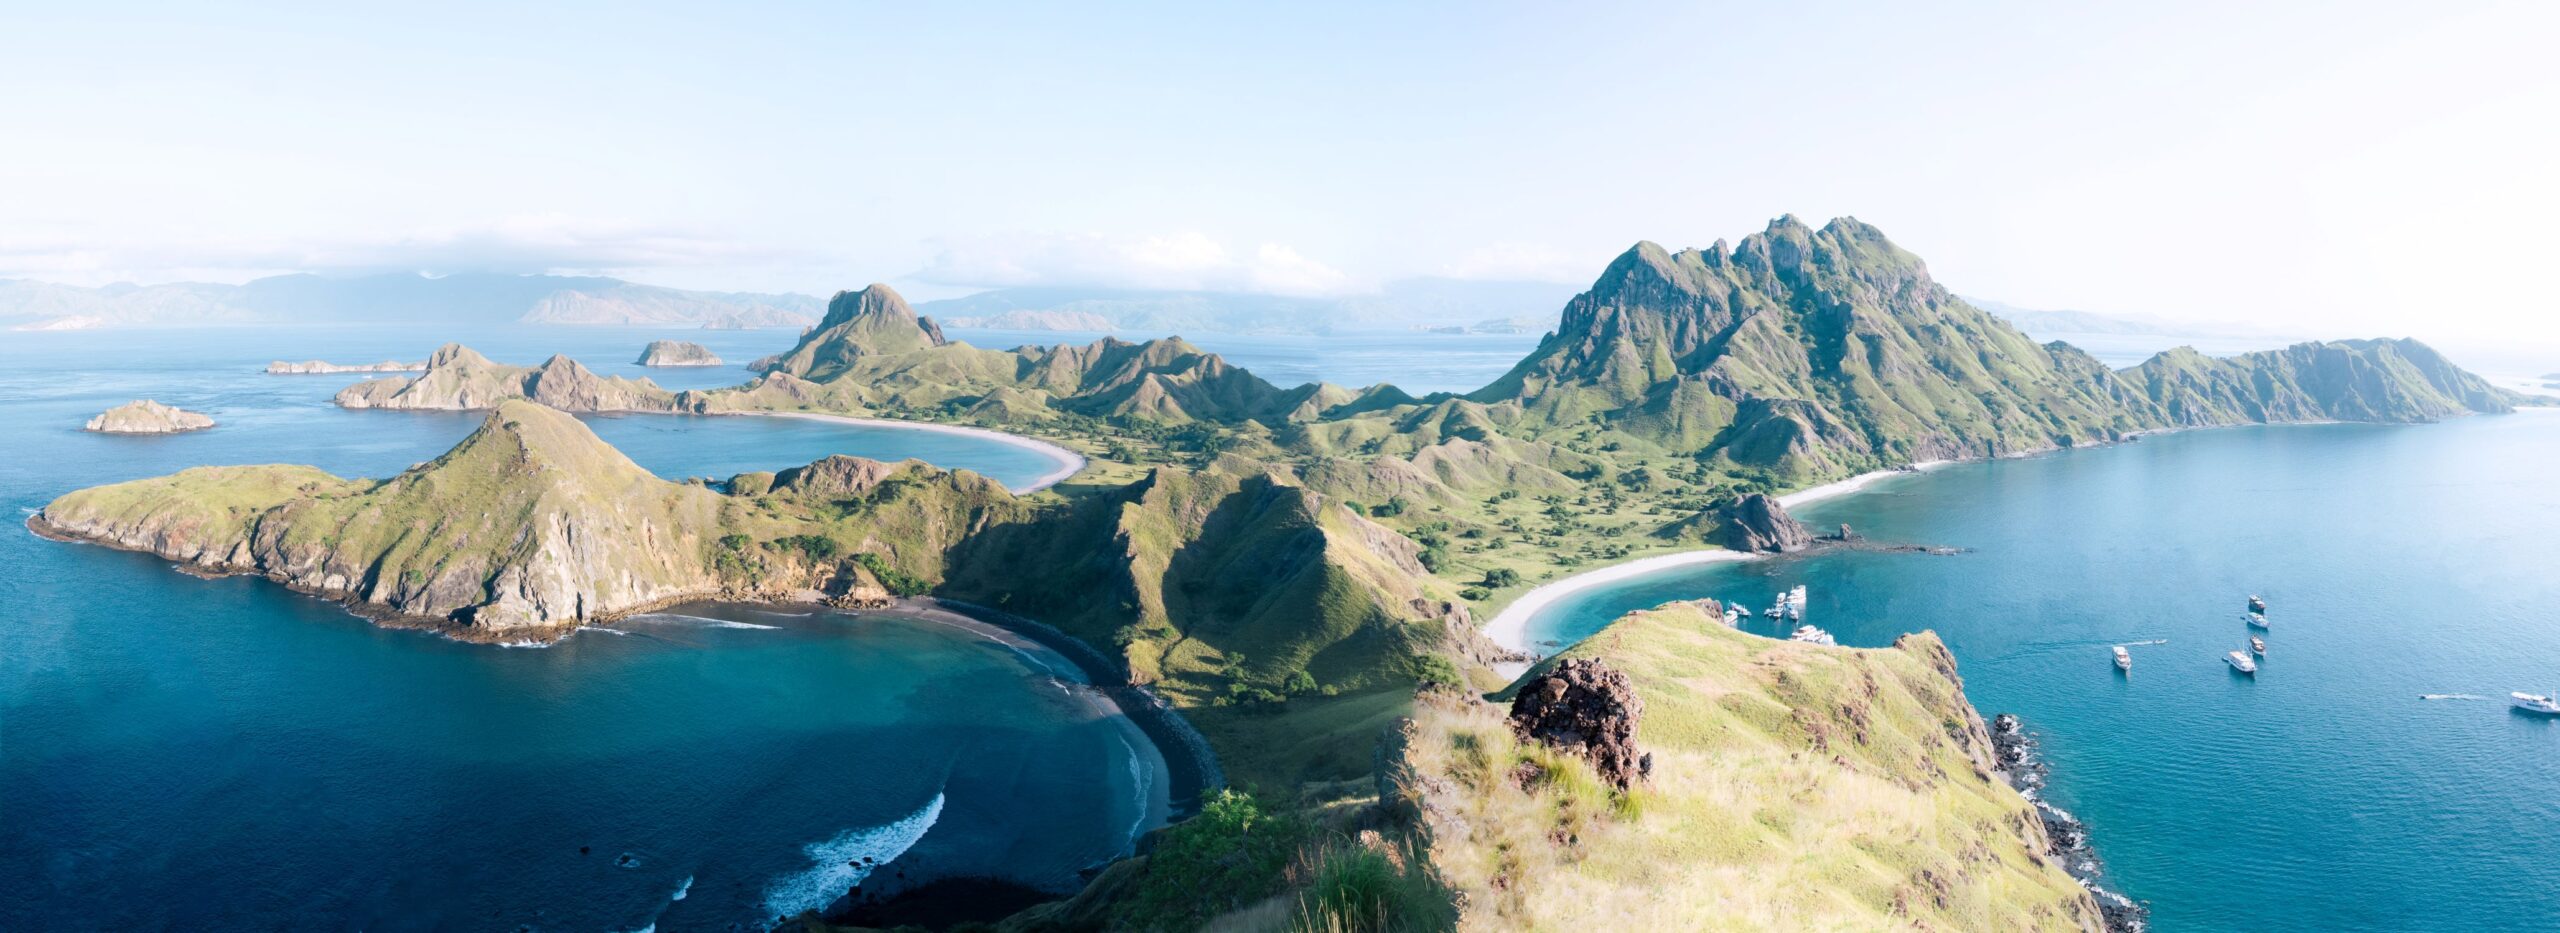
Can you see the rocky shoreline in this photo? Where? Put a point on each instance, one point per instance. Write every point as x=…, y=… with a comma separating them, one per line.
x=2015, y=749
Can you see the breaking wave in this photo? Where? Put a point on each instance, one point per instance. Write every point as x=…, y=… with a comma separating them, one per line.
x=838, y=863
x=704, y=621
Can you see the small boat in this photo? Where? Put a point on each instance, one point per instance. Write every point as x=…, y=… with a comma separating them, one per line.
x=2256, y=619
x=2240, y=662
x=2257, y=605
x=1814, y=636
x=2124, y=659
x=2536, y=703
x=2257, y=646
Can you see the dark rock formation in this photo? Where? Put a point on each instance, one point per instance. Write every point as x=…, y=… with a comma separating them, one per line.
x=1584, y=707
x=2068, y=838
x=1754, y=522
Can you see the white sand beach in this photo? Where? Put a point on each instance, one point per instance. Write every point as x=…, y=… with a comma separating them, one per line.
x=1852, y=484
x=1069, y=462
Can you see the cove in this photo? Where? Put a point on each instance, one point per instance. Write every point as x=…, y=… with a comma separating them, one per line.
x=200, y=754
x=2327, y=794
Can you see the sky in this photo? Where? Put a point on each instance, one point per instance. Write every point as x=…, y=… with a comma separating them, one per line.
x=2321, y=168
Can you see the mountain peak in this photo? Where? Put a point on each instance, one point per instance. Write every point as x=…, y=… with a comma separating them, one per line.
x=875, y=320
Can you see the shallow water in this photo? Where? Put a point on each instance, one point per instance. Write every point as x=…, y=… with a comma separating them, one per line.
x=2325, y=794
x=189, y=754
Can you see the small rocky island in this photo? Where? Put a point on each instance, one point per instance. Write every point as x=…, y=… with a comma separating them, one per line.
x=677, y=353
x=323, y=368
x=145, y=416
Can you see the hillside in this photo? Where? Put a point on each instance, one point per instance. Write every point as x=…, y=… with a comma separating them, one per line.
x=1792, y=787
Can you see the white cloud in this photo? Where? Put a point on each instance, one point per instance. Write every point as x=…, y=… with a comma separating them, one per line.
x=1188, y=260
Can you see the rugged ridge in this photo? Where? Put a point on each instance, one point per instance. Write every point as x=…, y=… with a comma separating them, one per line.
x=458, y=378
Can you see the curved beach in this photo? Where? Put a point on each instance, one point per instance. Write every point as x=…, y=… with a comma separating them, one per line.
x=1510, y=628
x=1069, y=462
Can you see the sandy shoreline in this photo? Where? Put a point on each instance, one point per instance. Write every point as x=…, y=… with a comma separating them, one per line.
x=1510, y=628
x=1069, y=462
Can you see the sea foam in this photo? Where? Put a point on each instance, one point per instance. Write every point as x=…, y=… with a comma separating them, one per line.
x=838, y=866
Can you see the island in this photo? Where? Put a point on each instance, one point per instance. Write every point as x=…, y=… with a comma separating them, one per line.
x=1299, y=571
x=677, y=353
x=145, y=416
x=321, y=368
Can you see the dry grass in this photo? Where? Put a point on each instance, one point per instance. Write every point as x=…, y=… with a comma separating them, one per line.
x=1795, y=787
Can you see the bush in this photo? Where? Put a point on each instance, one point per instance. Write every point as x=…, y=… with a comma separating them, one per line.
x=897, y=582
x=1355, y=888
x=1434, y=669
x=1500, y=577
x=1230, y=856
x=1474, y=594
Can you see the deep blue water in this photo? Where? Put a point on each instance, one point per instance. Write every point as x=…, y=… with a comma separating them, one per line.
x=178, y=753
x=2325, y=794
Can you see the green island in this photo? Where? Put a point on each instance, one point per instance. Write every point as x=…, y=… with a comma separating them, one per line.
x=1303, y=572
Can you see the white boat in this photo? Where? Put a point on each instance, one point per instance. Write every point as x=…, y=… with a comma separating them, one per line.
x=2256, y=619
x=2240, y=662
x=1795, y=597
x=1810, y=635
x=2258, y=646
x=2536, y=703
x=2257, y=605
x=2124, y=659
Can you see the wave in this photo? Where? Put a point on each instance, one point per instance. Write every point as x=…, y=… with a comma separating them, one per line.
x=682, y=888
x=1137, y=791
x=704, y=621
x=840, y=863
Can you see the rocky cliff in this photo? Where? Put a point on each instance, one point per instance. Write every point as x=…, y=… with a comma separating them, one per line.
x=1750, y=522
x=145, y=416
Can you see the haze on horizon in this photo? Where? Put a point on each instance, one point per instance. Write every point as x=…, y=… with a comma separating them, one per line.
x=2330, y=169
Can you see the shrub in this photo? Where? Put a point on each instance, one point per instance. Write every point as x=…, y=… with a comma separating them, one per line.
x=1231, y=855
x=897, y=582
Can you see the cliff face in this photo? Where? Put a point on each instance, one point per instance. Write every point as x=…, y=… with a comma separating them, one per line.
x=1802, y=787
x=457, y=378
x=1751, y=522
x=147, y=417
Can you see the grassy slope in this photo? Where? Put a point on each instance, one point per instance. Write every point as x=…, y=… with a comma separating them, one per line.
x=1795, y=787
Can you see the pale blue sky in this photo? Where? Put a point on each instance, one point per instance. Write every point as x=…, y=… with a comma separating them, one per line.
x=2334, y=168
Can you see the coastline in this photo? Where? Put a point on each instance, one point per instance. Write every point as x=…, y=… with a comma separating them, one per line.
x=1069, y=462
x=1510, y=627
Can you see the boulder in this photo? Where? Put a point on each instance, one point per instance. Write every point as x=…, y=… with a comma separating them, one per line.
x=1583, y=706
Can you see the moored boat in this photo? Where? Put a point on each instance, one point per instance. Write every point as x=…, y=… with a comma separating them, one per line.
x=2257, y=646
x=2536, y=703
x=2257, y=605
x=2124, y=659
x=1810, y=635
x=2240, y=662
x=2256, y=620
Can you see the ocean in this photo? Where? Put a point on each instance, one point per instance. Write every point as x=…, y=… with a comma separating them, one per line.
x=178, y=753
x=2327, y=793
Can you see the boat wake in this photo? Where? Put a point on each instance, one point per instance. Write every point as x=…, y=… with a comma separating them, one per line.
x=2155, y=641
x=840, y=863
x=2449, y=696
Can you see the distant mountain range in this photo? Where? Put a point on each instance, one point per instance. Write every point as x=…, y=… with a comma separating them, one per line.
x=471, y=298
x=1422, y=303
x=2045, y=325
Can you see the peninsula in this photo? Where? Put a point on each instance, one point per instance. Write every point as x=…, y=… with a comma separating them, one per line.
x=144, y=416
x=1292, y=568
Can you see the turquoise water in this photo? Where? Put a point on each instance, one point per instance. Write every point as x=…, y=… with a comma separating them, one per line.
x=178, y=753
x=2325, y=794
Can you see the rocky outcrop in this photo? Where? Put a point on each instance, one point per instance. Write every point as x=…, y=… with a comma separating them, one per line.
x=1583, y=707
x=1752, y=522
x=322, y=368
x=458, y=379
x=677, y=353
x=870, y=322
x=147, y=417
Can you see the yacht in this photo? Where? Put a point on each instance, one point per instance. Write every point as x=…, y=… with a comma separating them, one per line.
x=2124, y=659
x=2257, y=646
x=2256, y=619
x=2240, y=662
x=1810, y=635
x=2536, y=703
x=2257, y=605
